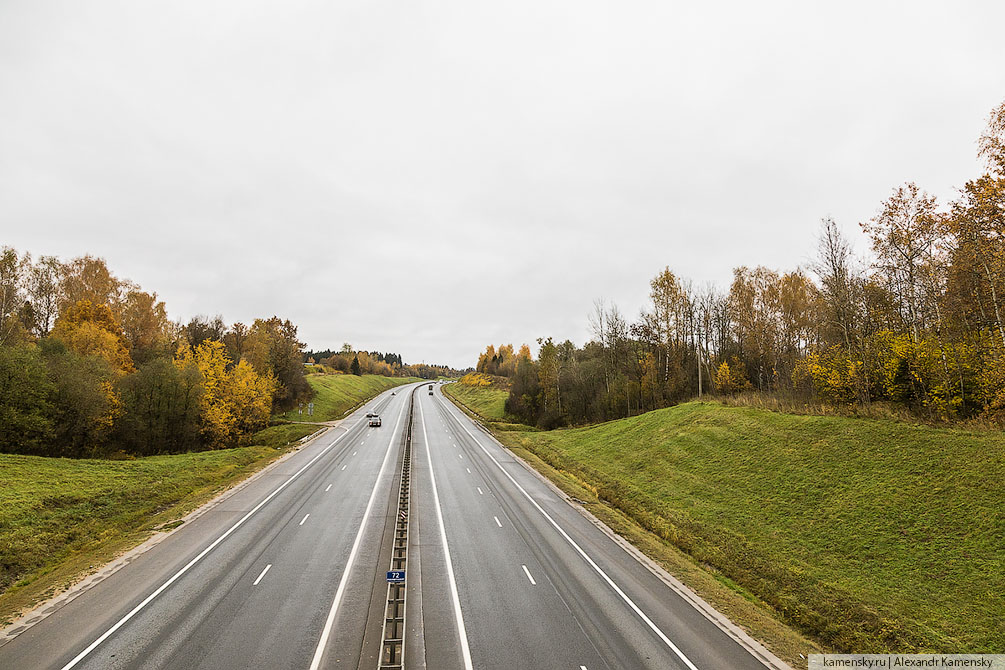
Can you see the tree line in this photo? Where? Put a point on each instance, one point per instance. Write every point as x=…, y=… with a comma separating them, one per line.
x=91, y=365
x=921, y=324
x=348, y=360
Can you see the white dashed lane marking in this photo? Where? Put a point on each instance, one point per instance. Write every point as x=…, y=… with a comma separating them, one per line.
x=262, y=575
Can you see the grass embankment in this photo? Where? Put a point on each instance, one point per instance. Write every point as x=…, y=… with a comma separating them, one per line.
x=485, y=397
x=61, y=517
x=283, y=434
x=865, y=535
x=334, y=395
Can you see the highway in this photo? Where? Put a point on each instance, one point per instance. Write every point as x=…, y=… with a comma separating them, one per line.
x=288, y=571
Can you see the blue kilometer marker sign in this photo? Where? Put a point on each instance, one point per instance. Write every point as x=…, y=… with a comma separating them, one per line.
x=395, y=575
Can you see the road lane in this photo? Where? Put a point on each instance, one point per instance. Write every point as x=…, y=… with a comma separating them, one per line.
x=345, y=650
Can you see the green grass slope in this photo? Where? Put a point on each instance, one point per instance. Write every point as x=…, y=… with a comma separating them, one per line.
x=485, y=397
x=59, y=517
x=488, y=403
x=284, y=434
x=334, y=395
x=867, y=535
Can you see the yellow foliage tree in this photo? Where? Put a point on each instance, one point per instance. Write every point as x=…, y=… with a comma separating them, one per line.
x=235, y=400
x=832, y=375
x=210, y=359
x=729, y=380
x=249, y=395
x=476, y=379
x=145, y=325
x=91, y=330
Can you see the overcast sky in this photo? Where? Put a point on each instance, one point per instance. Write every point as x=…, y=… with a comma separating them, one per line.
x=427, y=177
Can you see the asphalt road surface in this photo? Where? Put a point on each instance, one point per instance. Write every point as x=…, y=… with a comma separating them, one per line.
x=289, y=571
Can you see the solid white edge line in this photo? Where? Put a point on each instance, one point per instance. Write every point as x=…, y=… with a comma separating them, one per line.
x=330, y=621
x=527, y=572
x=262, y=575
x=304, y=519
x=610, y=582
x=461, y=631
x=146, y=601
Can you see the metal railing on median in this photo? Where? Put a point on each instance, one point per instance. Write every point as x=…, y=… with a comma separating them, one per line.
x=392, y=654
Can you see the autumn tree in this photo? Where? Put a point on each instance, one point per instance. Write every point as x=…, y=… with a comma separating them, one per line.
x=755, y=306
x=146, y=326
x=904, y=237
x=273, y=350
x=88, y=278
x=236, y=340
x=976, y=229
x=201, y=328
x=992, y=141
x=487, y=359
x=506, y=361
x=548, y=378
x=91, y=330
x=233, y=399
x=799, y=317
x=525, y=392
x=249, y=395
x=729, y=379
x=210, y=359
x=668, y=324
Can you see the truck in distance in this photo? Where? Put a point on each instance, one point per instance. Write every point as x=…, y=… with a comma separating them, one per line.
x=374, y=420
